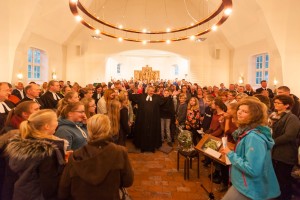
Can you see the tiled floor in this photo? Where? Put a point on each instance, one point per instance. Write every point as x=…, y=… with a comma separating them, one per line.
x=156, y=177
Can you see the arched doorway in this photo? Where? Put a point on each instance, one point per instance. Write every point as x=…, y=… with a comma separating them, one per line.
x=123, y=64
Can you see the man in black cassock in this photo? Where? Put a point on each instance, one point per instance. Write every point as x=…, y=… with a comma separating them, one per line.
x=147, y=125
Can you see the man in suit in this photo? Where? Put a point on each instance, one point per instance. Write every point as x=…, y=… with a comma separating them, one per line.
x=19, y=90
x=32, y=93
x=52, y=96
x=248, y=90
x=284, y=90
x=264, y=87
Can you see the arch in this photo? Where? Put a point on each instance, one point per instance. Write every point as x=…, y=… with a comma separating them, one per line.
x=131, y=60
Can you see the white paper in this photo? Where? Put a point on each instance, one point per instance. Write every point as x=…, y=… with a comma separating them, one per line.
x=227, y=161
x=213, y=152
x=224, y=141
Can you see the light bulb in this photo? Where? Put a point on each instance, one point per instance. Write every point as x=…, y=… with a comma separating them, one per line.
x=78, y=18
x=228, y=11
x=214, y=27
x=97, y=31
x=192, y=37
x=120, y=39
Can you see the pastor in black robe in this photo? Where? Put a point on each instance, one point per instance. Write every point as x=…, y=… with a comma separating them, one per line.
x=147, y=125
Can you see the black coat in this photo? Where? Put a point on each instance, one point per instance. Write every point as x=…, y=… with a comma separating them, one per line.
x=271, y=94
x=37, y=100
x=147, y=125
x=39, y=164
x=124, y=126
x=167, y=110
x=48, y=100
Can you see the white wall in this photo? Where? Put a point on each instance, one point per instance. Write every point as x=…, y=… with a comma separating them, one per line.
x=54, y=63
x=90, y=65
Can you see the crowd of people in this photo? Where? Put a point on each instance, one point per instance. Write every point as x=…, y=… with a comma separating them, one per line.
x=63, y=133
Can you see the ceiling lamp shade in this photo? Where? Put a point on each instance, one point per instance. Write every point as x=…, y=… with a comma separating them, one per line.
x=153, y=21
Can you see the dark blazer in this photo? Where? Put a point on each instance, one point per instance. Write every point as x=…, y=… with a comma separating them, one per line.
x=4, y=115
x=48, y=100
x=249, y=93
x=38, y=100
x=285, y=133
x=95, y=97
x=259, y=90
x=17, y=93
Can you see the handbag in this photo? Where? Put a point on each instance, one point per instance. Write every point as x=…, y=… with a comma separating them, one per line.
x=124, y=194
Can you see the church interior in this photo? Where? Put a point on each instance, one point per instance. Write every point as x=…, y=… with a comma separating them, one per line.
x=226, y=55
x=68, y=50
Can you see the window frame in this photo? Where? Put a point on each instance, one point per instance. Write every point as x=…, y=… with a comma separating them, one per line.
x=261, y=68
x=34, y=63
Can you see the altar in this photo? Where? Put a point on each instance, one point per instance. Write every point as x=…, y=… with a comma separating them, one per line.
x=146, y=74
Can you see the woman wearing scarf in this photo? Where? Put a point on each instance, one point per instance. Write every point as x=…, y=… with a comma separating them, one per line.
x=252, y=174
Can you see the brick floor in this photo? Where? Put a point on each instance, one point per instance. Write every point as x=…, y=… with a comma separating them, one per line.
x=156, y=177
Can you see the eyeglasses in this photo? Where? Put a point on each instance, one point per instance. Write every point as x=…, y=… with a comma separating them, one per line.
x=79, y=111
x=278, y=103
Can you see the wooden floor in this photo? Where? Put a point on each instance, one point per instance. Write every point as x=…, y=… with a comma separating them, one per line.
x=156, y=177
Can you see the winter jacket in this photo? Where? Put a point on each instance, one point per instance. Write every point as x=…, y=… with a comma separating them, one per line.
x=285, y=133
x=72, y=132
x=96, y=171
x=39, y=164
x=252, y=172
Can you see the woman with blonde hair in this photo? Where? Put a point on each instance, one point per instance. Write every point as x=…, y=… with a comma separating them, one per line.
x=106, y=166
x=102, y=105
x=70, y=97
x=89, y=106
x=37, y=156
x=192, y=122
x=125, y=114
x=252, y=174
x=113, y=113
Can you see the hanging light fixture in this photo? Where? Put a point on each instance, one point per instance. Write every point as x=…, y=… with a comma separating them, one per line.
x=191, y=19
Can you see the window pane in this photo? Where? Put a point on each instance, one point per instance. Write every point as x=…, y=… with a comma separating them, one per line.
x=267, y=65
x=37, y=56
x=266, y=75
x=29, y=55
x=267, y=58
x=260, y=58
x=29, y=71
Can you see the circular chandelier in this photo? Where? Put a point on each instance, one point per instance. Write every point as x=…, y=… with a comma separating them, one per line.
x=153, y=21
